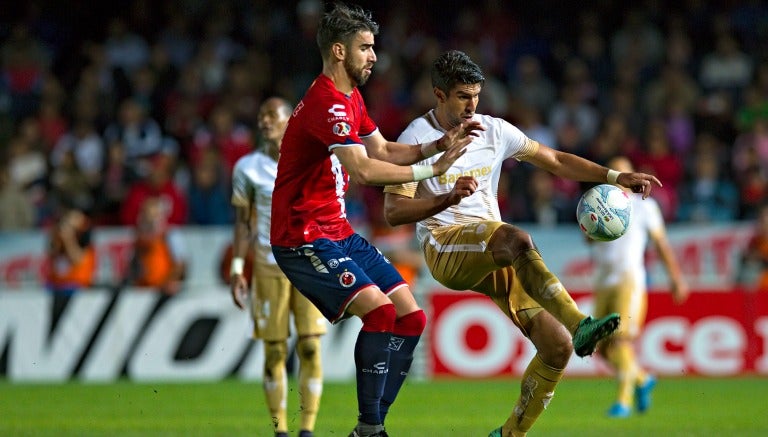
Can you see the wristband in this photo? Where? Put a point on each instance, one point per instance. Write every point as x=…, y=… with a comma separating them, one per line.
x=236, y=268
x=421, y=172
x=429, y=149
x=613, y=176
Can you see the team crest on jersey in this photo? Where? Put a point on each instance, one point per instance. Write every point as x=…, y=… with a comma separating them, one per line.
x=347, y=279
x=337, y=110
x=341, y=129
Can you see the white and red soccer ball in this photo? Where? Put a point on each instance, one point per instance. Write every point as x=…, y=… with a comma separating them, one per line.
x=604, y=212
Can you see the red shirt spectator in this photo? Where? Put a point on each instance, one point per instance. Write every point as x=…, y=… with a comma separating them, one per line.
x=160, y=184
x=225, y=135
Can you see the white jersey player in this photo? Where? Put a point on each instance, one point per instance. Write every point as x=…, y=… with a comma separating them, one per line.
x=620, y=286
x=467, y=247
x=274, y=299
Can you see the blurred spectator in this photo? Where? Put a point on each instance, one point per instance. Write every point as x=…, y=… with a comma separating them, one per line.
x=754, y=257
x=176, y=39
x=637, y=42
x=576, y=73
x=623, y=101
x=165, y=74
x=28, y=169
x=530, y=85
x=143, y=84
x=240, y=94
x=679, y=53
x=591, y=48
x=657, y=158
x=183, y=122
x=229, y=138
x=17, y=212
x=159, y=183
x=674, y=84
x=125, y=50
x=542, y=204
x=159, y=253
x=71, y=254
x=24, y=61
x=614, y=138
x=70, y=187
x=115, y=182
x=51, y=122
x=212, y=68
x=755, y=106
x=189, y=90
x=97, y=87
x=572, y=110
x=86, y=146
x=208, y=192
x=140, y=136
x=750, y=167
x=530, y=121
x=681, y=131
x=707, y=197
x=726, y=68
x=296, y=50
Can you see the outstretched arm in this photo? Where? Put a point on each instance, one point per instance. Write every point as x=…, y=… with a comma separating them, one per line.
x=405, y=154
x=365, y=170
x=570, y=166
x=399, y=210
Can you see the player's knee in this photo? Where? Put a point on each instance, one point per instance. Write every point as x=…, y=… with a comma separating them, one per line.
x=557, y=352
x=308, y=348
x=380, y=319
x=275, y=354
x=411, y=324
x=509, y=242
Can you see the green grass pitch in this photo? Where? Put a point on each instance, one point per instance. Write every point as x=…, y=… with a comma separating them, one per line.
x=681, y=407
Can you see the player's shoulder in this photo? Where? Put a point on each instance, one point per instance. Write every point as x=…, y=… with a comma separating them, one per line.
x=490, y=119
x=497, y=126
x=646, y=210
x=421, y=129
x=247, y=159
x=321, y=91
x=254, y=160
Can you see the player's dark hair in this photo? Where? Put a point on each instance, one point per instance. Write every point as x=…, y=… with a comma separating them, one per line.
x=455, y=67
x=341, y=24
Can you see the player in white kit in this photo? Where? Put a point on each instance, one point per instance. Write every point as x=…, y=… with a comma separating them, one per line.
x=274, y=299
x=620, y=286
x=467, y=247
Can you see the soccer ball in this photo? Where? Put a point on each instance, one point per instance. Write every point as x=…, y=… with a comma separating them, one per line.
x=604, y=212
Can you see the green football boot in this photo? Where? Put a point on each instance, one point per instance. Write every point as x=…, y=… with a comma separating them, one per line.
x=591, y=331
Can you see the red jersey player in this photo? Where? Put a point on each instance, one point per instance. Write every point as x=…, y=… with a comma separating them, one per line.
x=329, y=140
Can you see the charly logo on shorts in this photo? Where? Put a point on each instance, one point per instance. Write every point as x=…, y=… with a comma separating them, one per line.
x=347, y=279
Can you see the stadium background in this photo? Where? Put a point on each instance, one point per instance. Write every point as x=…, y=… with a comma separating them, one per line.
x=671, y=85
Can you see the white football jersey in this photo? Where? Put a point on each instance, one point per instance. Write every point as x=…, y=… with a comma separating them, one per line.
x=483, y=160
x=253, y=181
x=626, y=253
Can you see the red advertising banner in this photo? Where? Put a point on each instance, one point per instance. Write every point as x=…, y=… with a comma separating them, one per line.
x=711, y=334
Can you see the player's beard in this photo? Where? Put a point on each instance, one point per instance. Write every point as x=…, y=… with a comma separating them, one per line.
x=358, y=75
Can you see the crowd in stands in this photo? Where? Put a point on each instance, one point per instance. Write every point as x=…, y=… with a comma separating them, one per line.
x=104, y=106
